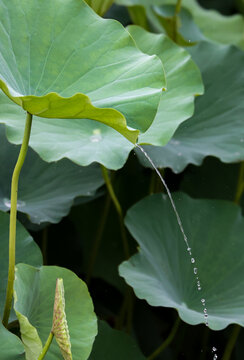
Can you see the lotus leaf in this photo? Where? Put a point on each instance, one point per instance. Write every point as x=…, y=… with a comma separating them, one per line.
x=217, y=127
x=164, y=274
x=76, y=65
x=34, y=300
x=46, y=191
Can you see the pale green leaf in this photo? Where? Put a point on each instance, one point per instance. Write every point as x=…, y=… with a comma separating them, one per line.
x=65, y=75
x=183, y=84
x=35, y=291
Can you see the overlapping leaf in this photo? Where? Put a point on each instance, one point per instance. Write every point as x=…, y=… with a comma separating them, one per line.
x=46, y=191
x=183, y=83
x=100, y=6
x=113, y=344
x=34, y=299
x=60, y=60
x=53, y=139
x=162, y=271
x=217, y=127
x=11, y=347
x=27, y=251
x=212, y=25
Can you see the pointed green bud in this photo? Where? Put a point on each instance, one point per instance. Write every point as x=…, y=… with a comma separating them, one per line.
x=60, y=327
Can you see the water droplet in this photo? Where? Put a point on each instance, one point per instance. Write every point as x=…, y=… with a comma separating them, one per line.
x=192, y=260
x=7, y=203
x=96, y=137
x=214, y=349
x=203, y=301
x=215, y=356
x=199, y=288
x=188, y=249
x=195, y=271
x=205, y=311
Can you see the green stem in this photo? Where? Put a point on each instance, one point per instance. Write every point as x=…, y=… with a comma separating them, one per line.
x=240, y=184
x=46, y=346
x=118, y=209
x=178, y=7
x=175, y=20
x=98, y=239
x=13, y=216
x=167, y=341
x=231, y=342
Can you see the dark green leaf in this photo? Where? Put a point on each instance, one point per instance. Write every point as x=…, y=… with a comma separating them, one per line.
x=162, y=271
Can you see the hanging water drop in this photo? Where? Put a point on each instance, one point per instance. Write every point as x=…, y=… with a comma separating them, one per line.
x=195, y=271
x=203, y=301
x=192, y=260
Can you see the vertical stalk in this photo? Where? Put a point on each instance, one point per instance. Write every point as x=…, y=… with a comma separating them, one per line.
x=231, y=342
x=13, y=216
x=175, y=20
x=167, y=341
x=118, y=209
x=98, y=238
x=240, y=184
x=46, y=346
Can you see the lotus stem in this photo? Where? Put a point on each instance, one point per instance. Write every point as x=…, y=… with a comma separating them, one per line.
x=118, y=209
x=13, y=216
x=231, y=342
x=46, y=346
x=167, y=341
x=240, y=184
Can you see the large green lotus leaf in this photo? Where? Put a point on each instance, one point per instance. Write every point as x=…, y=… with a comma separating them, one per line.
x=60, y=60
x=34, y=300
x=162, y=271
x=83, y=142
x=27, y=251
x=100, y=6
x=183, y=83
x=217, y=127
x=212, y=25
x=11, y=347
x=46, y=191
x=112, y=344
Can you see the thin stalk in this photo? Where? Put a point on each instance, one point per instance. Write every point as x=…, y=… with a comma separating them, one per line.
x=175, y=19
x=167, y=341
x=46, y=346
x=118, y=209
x=240, y=184
x=98, y=239
x=178, y=6
x=13, y=216
x=231, y=342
